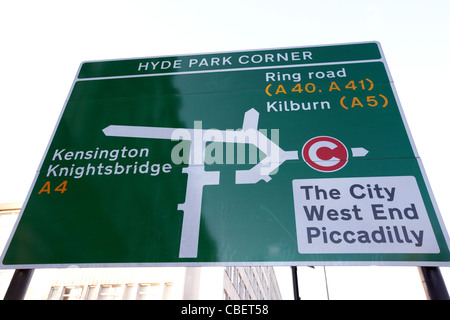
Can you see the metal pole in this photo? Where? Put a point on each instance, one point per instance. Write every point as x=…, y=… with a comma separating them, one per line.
x=19, y=284
x=295, y=282
x=433, y=283
x=326, y=283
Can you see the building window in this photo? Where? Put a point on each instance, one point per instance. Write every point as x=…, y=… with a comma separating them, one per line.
x=72, y=293
x=55, y=293
x=149, y=291
x=244, y=294
x=91, y=293
x=109, y=292
x=66, y=293
x=238, y=285
x=129, y=292
x=226, y=296
x=168, y=288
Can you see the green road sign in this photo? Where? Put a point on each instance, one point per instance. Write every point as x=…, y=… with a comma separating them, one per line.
x=291, y=156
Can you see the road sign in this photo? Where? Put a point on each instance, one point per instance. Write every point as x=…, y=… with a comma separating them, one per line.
x=290, y=156
x=325, y=154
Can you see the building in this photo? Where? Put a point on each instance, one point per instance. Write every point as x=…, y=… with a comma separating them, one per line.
x=141, y=283
x=250, y=283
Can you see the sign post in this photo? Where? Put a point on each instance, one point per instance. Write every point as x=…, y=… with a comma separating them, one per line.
x=433, y=283
x=290, y=156
x=19, y=284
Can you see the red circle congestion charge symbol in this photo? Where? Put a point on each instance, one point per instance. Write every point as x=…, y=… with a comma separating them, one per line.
x=325, y=154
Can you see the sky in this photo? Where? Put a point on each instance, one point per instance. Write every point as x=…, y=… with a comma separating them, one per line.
x=44, y=42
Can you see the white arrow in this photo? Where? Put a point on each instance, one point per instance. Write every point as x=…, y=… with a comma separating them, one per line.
x=359, y=152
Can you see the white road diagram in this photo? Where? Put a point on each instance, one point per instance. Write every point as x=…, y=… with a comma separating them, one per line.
x=198, y=177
